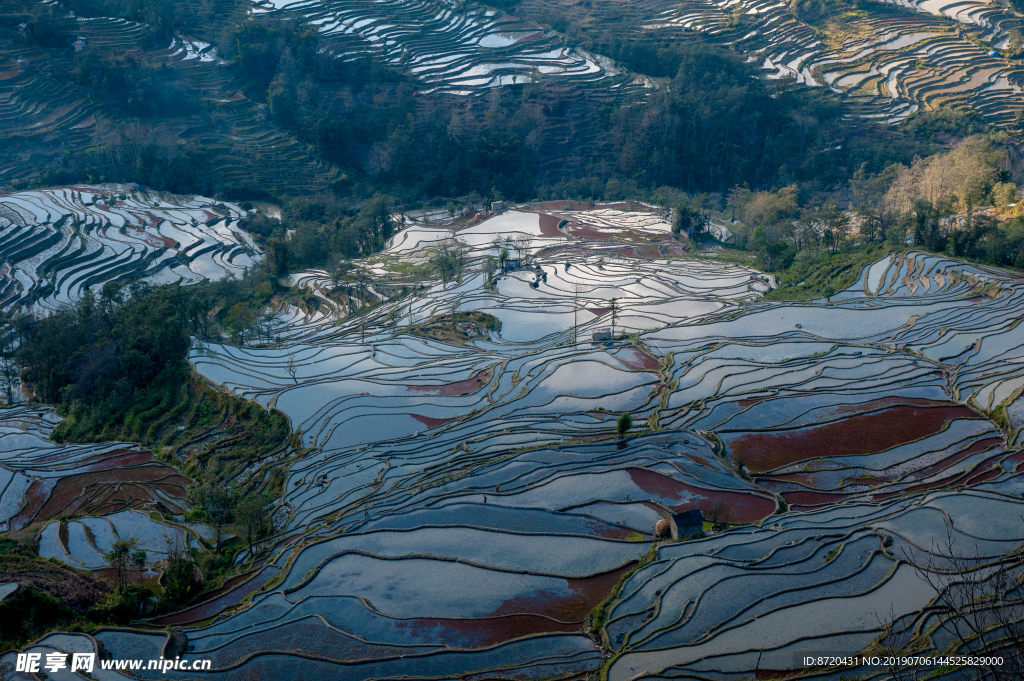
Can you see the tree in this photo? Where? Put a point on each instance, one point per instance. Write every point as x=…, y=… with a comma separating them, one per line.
x=690, y=219
x=449, y=258
x=362, y=285
x=217, y=505
x=252, y=516
x=502, y=257
x=292, y=369
x=835, y=225
x=719, y=514
x=682, y=217
x=394, y=316
x=139, y=562
x=830, y=291
x=490, y=266
x=179, y=581
x=375, y=223
x=624, y=423
x=978, y=600
x=522, y=244
x=615, y=314
x=119, y=558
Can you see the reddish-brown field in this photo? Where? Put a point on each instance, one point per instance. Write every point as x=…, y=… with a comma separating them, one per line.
x=466, y=387
x=742, y=507
x=636, y=359
x=430, y=422
x=857, y=435
x=586, y=594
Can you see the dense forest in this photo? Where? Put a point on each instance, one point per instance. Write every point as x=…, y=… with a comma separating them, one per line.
x=711, y=125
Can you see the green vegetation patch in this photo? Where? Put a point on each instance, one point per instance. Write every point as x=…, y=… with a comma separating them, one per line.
x=457, y=328
x=50, y=595
x=820, y=275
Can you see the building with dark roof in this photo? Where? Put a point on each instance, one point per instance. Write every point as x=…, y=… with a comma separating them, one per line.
x=687, y=523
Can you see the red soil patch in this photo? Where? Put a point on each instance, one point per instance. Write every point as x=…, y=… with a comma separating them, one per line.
x=598, y=311
x=808, y=500
x=482, y=633
x=744, y=507
x=635, y=359
x=155, y=219
x=810, y=479
x=549, y=226
x=671, y=248
x=983, y=472
x=432, y=422
x=87, y=489
x=1016, y=458
x=586, y=594
x=628, y=252
x=466, y=387
x=214, y=606
x=228, y=586
x=121, y=461
x=34, y=498
x=61, y=456
x=154, y=240
x=979, y=446
x=649, y=252
x=857, y=435
x=587, y=232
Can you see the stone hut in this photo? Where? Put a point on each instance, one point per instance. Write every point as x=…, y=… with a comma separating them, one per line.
x=687, y=523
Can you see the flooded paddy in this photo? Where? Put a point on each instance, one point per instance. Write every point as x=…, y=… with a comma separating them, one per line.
x=465, y=505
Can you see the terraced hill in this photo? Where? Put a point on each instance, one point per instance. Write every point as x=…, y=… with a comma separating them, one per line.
x=889, y=65
x=38, y=112
x=58, y=243
x=43, y=115
x=457, y=49
x=465, y=508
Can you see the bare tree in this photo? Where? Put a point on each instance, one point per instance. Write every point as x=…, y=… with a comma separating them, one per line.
x=449, y=259
x=490, y=266
x=980, y=603
x=719, y=514
x=522, y=244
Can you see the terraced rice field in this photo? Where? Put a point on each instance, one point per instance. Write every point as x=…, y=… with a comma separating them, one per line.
x=463, y=49
x=42, y=115
x=466, y=505
x=36, y=110
x=888, y=65
x=40, y=480
x=58, y=243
